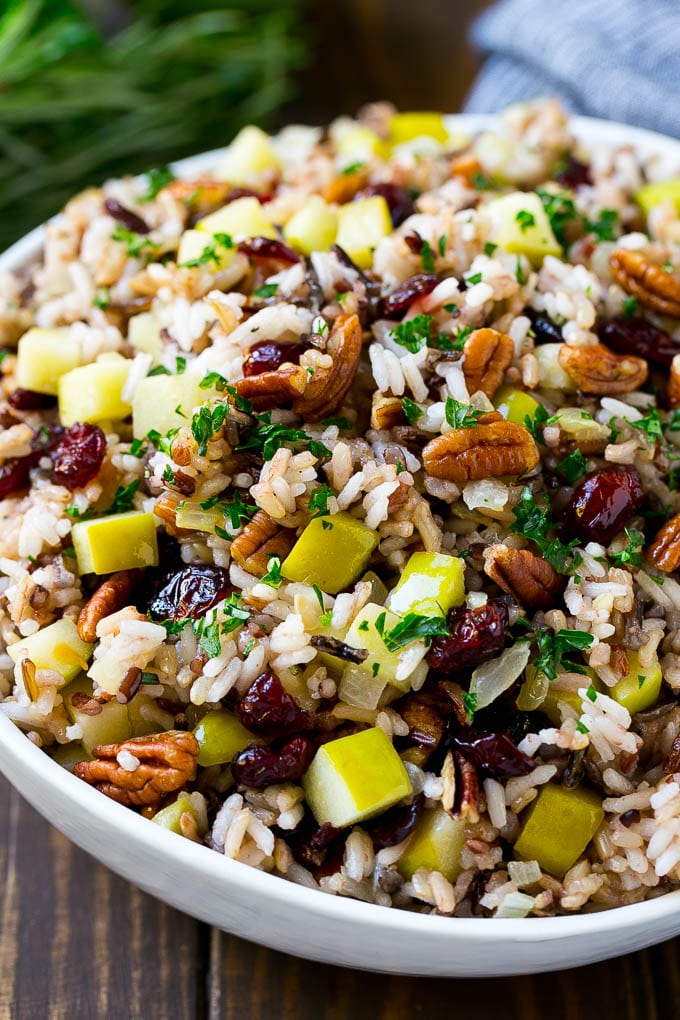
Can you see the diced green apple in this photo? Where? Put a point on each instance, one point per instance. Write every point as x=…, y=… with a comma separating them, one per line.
x=240, y=219
x=430, y=585
x=331, y=552
x=57, y=647
x=361, y=227
x=435, y=844
x=313, y=227
x=550, y=372
x=358, y=142
x=558, y=827
x=69, y=755
x=93, y=393
x=520, y=225
x=363, y=634
x=44, y=356
x=354, y=778
x=249, y=156
x=144, y=334
x=220, y=737
x=515, y=404
x=404, y=127
x=164, y=402
x=170, y=817
x=110, y=726
x=117, y=542
x=640, y=689
x=193, y=244
x=651, y=195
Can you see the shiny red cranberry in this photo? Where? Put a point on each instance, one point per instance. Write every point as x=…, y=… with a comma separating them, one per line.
x=29, y=400
x=573, y=173
x=603, y=504
x=635, y=335
x=14, y=475
x=191, y=592
x=394, y=825
x=397, y=303
x=475, y=635
x=267, y=355
x=247, y=193
x=259, y=765
x=494, y=754
x=269, y=710
x=126, y=216
x=268, y=248
x=398, y=200
x=79, y=455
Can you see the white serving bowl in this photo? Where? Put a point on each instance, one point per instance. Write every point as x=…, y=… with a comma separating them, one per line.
x=308, y=923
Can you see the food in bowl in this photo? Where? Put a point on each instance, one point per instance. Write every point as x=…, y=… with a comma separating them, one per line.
x=340, y=514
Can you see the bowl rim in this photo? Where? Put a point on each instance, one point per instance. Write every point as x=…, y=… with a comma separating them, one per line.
x=39, y=768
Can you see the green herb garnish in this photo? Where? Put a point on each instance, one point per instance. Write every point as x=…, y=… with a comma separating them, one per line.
x=553, y=647
x=411, y=627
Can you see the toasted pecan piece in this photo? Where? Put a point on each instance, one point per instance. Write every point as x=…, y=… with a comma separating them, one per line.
x=488, y=354
x=271, y=389
x=167, y=763
x=111, y=595
x=664, y=552
x=343, y=188
x=597, y=369
x=522, y=574
x=387, y=412
x=647, y=281
x=329, y=386
x=261, y=539
x=673, y=390
x=490, y=449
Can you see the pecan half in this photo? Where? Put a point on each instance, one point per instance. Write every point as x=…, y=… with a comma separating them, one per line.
x=596, y=369
x=647, y=281
x=200, y=193
x=488, y=354
x=111, y=595
x=483, y=451
x=529, y=578
x=673, y=390
x=261, y=539
x=426, y=726
x=328, y=387
x=271, y=389
x=468, y=808
x=387, y=412
x=166, y=763
x=343, y=188
x=664, y=552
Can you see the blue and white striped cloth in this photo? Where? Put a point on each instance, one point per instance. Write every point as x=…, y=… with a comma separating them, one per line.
x=618, y=59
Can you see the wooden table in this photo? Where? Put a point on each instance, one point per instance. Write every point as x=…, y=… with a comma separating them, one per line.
x=79, y=943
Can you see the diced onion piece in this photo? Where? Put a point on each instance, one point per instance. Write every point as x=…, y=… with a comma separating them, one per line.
x=491, y=679
x=533, y=691
x=515, y=904
x=360, y=688
x=524, y=872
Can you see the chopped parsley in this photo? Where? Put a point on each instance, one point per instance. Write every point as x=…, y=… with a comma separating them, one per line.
x=520, y=275
x=572, y=467
x=342, y=423
x=266, y=437
x=633, y=551
x=469, y=703
x=650, y=425
x=560, y=210
x=180, y=365
x=150, y=679
x=481, y=183
x=273, y=576
x=136, y=243
x=474, y=279
x=157, y=179
x=102, y=297
x=603, y=226
x=525, y=219
x=159, y=370
x=352, y=168
x=534, y=522
x=319, y=596
x=489, y=248
x=581, y=727
x=426, y=256
x=137, y=448
x=411, y=627
x=375, y=668
x=413, y=334
x=535, y=424
x=553, y=647
x=209, y=254
x=236, y=510
x=168, y=475
x=206, y=423
x=441, y=245
x=123, y=497
x=267, y=290
x=411, y=410
x=459, y=415
x=641, y=681
x=630, y=305
x=318, y=502
x=591, y=693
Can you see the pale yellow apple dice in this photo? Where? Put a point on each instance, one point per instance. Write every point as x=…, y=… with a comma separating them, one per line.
x=220, y=737
x=144, y=334
x=110, y=726
x=170, y=817
x=250, y=155
x=651, y=195
x=430, y=585
x=550, y=372
x=43, y=356
x=362, y=226
x=641, y=687
x=404, y=127
x=515, y=405
x=164, y=402
x=240, y=219
x=363, y=634
x=513, y=230
x=435, y=844
x=189, y=515
x=313, y=227
x=357, y=143
x=139, y=725
x=354, y=778
x=55, y=647
x=332, y=552
x=93, y=393
x=192, y=245
x=116, y=542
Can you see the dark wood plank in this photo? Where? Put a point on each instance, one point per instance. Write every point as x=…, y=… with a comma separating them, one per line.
x=79, y=943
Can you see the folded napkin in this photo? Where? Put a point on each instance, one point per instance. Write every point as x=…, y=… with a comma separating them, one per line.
x=618, y=59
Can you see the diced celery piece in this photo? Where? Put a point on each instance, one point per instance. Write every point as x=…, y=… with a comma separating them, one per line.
x=190, y=516
x=653, y=194
x=359, y=142
x=192, y=245
x=43, y=356
x=313, y=227
x=117, y=542
x=57, y=647
x=641, y=688
x=404, y=127
x=110, y=726
x=240, y=219
x=164, y=402
x=331, y=552
x=515, y=404
x=92, y=393
x=430, y=585
x=363, y=634
x=435, y=844
x=220, y=737
x=169, y=817
x=559, y=826
x=355, y=777
x=361, y=227
x=520, y=225
x=550, y=372
x=144, y=334
x=248, y=157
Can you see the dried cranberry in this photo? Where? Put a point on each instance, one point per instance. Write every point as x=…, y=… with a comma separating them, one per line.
x=14, y=475
x=259, y=765
x=394, y=825
x=398, y=200
x=309, y=842
x=573, y=173
x=494, y=754
x=545, y=330
x=191, y=592
x=79, y=455
x=29, y=400
x=246, y=193
x=126, y=216
x=269, y=710
x=267, y=355
x=635, y=335
x=603, y=503
x=268, y=248
x=395, y=304
x=475, y=635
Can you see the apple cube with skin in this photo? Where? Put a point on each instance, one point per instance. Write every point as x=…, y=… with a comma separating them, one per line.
x=363, y=634
x=144, y=334
x=520, y=225
x=361, y=227
x=240, y=219
x=515, y=404
x=354, y=778
x=404, y=127
x=358, y=142
x=170, y=817
x=159, y=399
x=110, y=726
x=220, y=737
x=250, y=155
x=640, y=689
x=558, y=827
x=93, y=393
x=331, y=552
x=313, y=227
x=653, y=194
x=430, y=585
x=435, y=844
x=192, y=245
x=117, y=542
x=57, y=647
x=43, y=357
